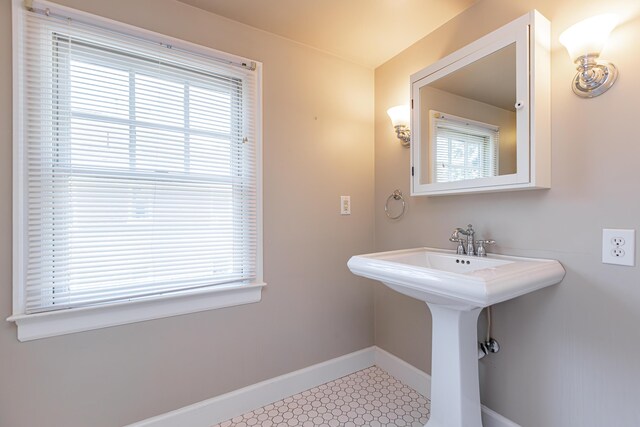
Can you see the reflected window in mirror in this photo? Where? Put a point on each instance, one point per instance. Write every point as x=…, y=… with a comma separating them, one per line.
x=462, y=148
x=480, y=96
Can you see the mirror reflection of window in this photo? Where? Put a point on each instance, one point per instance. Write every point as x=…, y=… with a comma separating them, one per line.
x=463, y=148
x=482, y=92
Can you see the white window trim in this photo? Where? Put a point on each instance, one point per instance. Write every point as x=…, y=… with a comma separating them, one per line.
x=53, y=323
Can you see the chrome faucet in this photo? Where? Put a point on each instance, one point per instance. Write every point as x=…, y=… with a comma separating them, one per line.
x=464, y=247
x=467, y=246
x=470, y=233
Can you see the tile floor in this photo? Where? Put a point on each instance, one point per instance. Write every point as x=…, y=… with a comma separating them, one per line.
x=370, y=397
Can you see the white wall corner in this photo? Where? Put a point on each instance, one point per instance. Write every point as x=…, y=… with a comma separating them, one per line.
x=238, y=402
x=421, y=382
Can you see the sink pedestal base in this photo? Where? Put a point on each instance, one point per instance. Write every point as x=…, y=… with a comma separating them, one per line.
x=455, y=389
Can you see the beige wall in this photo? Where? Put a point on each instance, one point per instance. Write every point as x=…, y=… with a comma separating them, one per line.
x=569, y=353
x=318, y=145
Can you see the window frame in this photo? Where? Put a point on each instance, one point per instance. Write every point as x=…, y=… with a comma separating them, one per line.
x=489, y=151
x=71, y=320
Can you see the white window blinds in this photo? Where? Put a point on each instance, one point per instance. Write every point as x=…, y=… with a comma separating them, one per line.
x=138, y=163
x=464, y=149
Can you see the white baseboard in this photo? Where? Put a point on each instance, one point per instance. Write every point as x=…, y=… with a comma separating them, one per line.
x=230, y=405
x=235, y=403
x=493, y=419
x=421, y=382
x=410, y=375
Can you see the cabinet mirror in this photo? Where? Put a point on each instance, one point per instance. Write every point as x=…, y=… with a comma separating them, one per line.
x=480, y=116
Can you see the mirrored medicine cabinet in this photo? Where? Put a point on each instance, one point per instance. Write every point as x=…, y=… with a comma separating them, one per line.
x=481, y=116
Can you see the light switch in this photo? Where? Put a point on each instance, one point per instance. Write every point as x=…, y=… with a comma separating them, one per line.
x=345, y=205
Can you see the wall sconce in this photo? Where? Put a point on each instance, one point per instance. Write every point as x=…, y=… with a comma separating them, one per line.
x=399, y=116
x=584, y=42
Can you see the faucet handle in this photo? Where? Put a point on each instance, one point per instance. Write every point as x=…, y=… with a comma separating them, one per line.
x=455, y=237
x=482, y=251
x=486, y=242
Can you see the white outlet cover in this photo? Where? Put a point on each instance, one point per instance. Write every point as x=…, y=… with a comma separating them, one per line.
x=619, y=246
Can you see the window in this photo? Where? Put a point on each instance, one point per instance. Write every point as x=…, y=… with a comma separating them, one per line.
x=137, y=174
x=464, y=149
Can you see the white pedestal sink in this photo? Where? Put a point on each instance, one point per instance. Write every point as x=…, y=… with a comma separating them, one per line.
x=456, y=288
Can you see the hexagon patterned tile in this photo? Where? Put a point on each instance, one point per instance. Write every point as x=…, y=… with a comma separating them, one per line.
x=370, y=397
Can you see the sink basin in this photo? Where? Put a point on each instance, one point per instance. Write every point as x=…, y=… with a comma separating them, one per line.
x=456, y=288
x=443, y=277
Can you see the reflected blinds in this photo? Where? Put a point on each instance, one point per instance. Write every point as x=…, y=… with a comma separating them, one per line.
x=139, y=167
x=464, y=149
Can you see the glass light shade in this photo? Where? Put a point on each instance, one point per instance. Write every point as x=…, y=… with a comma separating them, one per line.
x=399, y=115
x=589, y=36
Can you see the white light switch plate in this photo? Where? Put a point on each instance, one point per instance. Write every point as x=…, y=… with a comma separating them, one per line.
x=345, y=205
x=619, y=246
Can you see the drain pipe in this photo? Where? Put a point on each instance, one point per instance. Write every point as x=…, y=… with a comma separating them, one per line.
x=489, y=345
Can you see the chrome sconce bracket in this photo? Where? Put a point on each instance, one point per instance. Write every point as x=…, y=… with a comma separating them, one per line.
x=594, y=77
x=404, y=135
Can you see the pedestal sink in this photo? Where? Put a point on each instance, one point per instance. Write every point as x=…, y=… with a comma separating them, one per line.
x=456, y=288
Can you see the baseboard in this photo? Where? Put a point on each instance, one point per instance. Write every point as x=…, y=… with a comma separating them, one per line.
x=493, y=419
x=229, y=405
x=421, y=382
x=410, y=375
x=238, y=402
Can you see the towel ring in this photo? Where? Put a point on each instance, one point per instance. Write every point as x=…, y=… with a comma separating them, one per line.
x=396, y=195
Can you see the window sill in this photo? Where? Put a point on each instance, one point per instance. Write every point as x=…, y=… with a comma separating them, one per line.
x=53, y=323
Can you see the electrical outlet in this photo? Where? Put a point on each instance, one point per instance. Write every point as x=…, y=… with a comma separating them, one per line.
x=345, y=205
x=617, y=241
x=617, y=252
x=618, y=246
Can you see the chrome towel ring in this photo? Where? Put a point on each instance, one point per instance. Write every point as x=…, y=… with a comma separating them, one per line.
x=396, y=195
